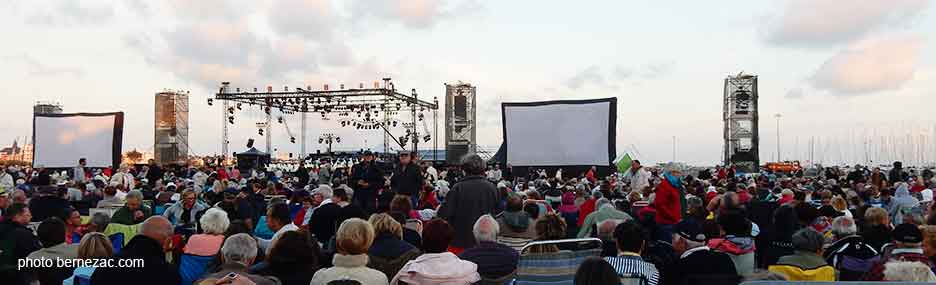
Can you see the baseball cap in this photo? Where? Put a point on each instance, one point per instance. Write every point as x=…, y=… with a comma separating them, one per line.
x=907, y=233
x=691, y=230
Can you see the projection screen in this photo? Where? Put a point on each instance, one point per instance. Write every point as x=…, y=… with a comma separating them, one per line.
x=560, y=133
x=61, y=139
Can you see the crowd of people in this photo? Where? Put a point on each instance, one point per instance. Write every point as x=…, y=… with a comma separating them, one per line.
x=410, y=223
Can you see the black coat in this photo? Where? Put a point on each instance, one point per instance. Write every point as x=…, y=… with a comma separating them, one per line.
x=20, y=241
x=406, y=180
x=369, y=173
x=155, y=271
x=468, y=200
x=324, y=221
x=699, y=265
x=45, y=207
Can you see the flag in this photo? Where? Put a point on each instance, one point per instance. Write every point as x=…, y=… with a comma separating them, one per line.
x=624, y=163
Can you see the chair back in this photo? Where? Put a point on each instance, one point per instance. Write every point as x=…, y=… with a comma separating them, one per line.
x=633, y=280
x=556, y=268
x=117, y=240
x=192, y=267
x=503, y=280
x=128, y=231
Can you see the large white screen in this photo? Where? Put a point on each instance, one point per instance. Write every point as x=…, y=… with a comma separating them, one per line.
x=557, y=134
x=61, y=141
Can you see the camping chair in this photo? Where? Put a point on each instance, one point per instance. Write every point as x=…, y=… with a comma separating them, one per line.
x=633, y=279
x=192, y=267
x=117, y=240
x=557, y=268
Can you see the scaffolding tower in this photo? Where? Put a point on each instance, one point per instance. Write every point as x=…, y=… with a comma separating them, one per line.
x=740, y=115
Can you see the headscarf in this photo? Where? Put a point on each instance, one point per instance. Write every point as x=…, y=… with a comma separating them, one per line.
x=568, y=203
x=901, y=201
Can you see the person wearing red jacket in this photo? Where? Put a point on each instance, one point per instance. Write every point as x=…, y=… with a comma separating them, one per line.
x=669, y=206
x=588, y=207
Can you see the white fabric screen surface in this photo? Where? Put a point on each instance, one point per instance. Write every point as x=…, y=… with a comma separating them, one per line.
x=557, y=134
x=61, y=141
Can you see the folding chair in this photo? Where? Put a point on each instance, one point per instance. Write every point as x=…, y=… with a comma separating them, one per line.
x=557, y=268
x=192, y=267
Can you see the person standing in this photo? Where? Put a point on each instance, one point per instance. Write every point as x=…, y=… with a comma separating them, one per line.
x=469, y=199
x=407, y=178
x=13, y=231
x=697, y=262
x=80, y=172
x=638, y=177
x=367, y=179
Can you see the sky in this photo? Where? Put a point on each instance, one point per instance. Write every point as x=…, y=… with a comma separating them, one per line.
x=838, y=71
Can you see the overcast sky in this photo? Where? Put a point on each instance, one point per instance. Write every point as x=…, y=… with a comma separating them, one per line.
x=833, y=68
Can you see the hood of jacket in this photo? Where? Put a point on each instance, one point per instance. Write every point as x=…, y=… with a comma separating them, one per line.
x=441, y=266
x=733, y=245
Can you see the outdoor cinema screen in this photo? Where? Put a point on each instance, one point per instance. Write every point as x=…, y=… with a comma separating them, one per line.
x=560, y=133
x=61, y=139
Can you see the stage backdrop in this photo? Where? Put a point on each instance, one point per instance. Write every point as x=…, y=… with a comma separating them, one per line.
x=560, y=133
x=61, y=139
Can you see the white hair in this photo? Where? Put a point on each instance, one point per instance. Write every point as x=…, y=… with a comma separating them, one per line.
x=910, y=271
x=214, y=221
x=844, y=226
x=135, y=194
x=486, y=229
x=240, y=248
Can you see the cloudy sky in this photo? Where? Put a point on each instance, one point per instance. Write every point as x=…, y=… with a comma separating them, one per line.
x=835, y=69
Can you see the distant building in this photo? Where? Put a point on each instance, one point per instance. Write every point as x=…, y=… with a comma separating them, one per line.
x=171, y=127
x=16, y=152
x=47, y=107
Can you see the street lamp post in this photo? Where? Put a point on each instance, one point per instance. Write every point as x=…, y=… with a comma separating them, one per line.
x=778, y=136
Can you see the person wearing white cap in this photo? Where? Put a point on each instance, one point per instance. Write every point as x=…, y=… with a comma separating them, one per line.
x=6, y=180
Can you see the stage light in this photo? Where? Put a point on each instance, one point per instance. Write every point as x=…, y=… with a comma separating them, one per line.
x=338, y=139
x=260, y=131
x=231, y=110
x=292, y=139
x=394, y=123
x=342, y=86
x=255, y=89
x=280, y=120
x=210, y=102
x=320, y=140
x=239, y=106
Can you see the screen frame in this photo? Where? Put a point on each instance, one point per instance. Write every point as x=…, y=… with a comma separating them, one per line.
x=612, y=123
x=117, y=144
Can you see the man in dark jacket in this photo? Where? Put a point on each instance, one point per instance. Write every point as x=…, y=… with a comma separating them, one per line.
x=468, y=200
x=909, y=242
x=48, y=204
x=407, y=178
x=897, y=174
x=494, y=260
x=16, y=242
x=366, y=178
x=149, y=246
x=697, y=263
x=849, y=254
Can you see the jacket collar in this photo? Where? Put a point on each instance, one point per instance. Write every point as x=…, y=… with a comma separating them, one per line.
x=693, y=250
x=342, y=260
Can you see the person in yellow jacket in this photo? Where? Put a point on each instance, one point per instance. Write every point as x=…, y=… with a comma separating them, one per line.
x=806, y=263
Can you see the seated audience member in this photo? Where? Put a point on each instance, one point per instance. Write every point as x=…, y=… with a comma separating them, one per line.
x=133, y=212
x=50, y=203
x=630, y=238
x=908, y=271
x=696, y=262
x=605, y=210
x=293, y=259
x=184, y=212
x=806, y=263
x=237, y=255
x=98, y=223
x=389, y=252
x=929, y=241
x=73, y=227
x=877, y=229
x=353, y=239
x=549, y=227
x=51, y=234
x=93, y=245
x=150, y=246
x=494, y=260
x=323, y=220
x=516, y=226
x=737, y=242
x=277, y=219
x=606, y=234
x=214, y=223
x=849, y=254
x=908, y=247
x=110, y=198
x=596, y=271
x=764, y=275
x=569, y=212
x=411, y=236
x=437, y=265
x=13, y=231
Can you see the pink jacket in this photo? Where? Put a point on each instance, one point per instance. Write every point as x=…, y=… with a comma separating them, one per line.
x=438, y=268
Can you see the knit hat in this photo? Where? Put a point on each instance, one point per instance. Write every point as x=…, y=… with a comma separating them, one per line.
x=907, y=233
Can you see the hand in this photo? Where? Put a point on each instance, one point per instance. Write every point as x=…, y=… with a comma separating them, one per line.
x=237, y=280
x=137, y=215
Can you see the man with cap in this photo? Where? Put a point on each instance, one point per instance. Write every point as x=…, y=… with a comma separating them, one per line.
x=806, y=263
x=367, y=178
x=908, y=247
x=697, y=262
x=407, y=178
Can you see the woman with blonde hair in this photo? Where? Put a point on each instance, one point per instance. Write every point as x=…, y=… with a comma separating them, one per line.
x=353, y=239
x=839, y=204
x=94, y=245
x=389, y=252
x=877, y=229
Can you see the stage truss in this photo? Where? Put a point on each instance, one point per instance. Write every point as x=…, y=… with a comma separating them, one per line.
x=380, y=107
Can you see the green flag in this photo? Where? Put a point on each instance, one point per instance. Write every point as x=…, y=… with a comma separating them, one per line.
x=625, y=163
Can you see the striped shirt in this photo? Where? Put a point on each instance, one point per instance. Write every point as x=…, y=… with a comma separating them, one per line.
x=629, y=265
